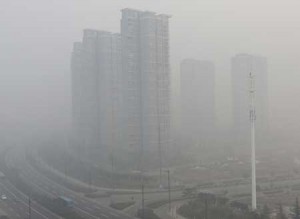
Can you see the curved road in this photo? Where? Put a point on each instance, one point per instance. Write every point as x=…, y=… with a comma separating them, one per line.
x=83, y=206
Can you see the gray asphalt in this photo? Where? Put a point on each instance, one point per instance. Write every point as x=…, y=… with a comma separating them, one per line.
x=86, y=208
x=17, y=204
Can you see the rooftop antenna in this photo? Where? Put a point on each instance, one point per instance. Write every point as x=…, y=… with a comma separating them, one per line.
x=252, y=121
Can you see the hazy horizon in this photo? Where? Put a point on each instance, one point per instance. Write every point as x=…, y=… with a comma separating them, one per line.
x=37, y=36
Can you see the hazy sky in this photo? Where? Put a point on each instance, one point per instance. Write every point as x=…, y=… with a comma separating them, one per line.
x=36, y=40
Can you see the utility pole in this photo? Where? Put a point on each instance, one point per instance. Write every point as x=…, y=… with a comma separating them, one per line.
x=252, y=121
x=160, y=158
x=65, y=164
x=112, y=177
x=142, y=143
x=206, y=207
x=158, y=127
x=169, y=189
x=114, y=106
x=90, y=169
x=143, y=201
x=142, y=158
x=90, y=177
x=141, y=123
x=29, y=207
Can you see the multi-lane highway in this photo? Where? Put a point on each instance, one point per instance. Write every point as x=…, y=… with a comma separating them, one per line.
x=83, y=206
x=17, y=204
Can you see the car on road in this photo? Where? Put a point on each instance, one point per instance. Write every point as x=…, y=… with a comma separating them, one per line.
x=3, y=197
x=64, y=202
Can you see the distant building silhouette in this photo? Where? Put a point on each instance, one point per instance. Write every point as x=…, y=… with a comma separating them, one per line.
x=146, y=79
x=197, y=102
x=96, y=72
x=241, y=66
x=121, y=86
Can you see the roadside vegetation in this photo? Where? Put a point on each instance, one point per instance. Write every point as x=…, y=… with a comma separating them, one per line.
x=121, y=205
x=206, y=206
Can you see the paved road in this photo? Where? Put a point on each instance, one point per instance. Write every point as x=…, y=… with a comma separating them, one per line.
x=12, y=208
x=86, y=208
x=17, y=204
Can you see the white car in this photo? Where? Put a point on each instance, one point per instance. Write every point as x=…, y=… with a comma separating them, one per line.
x=3, y=197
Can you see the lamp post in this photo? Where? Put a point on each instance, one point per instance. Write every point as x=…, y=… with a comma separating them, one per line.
x=252, y=121
x=29, y=207
x=169, y=188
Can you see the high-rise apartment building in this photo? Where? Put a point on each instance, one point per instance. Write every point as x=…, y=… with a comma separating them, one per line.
x=121, y=85
x=197, y=102
x=146, y=80
x=96, y=74
x=242, y=65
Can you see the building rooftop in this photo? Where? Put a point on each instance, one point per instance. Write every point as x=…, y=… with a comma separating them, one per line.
x=146, y=12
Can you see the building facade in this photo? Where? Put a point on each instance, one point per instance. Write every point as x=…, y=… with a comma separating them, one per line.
x=96, y=72
x=146, y=80
x=197, y=102
x=121, y=86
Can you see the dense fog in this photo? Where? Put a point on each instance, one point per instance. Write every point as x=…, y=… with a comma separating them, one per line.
x=120, y=94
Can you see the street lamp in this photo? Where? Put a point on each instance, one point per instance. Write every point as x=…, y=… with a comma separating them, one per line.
x=29, y=206
x=140, y=173
x=169, y=189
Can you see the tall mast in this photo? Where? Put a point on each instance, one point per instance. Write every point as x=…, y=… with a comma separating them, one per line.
x=252, y=121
